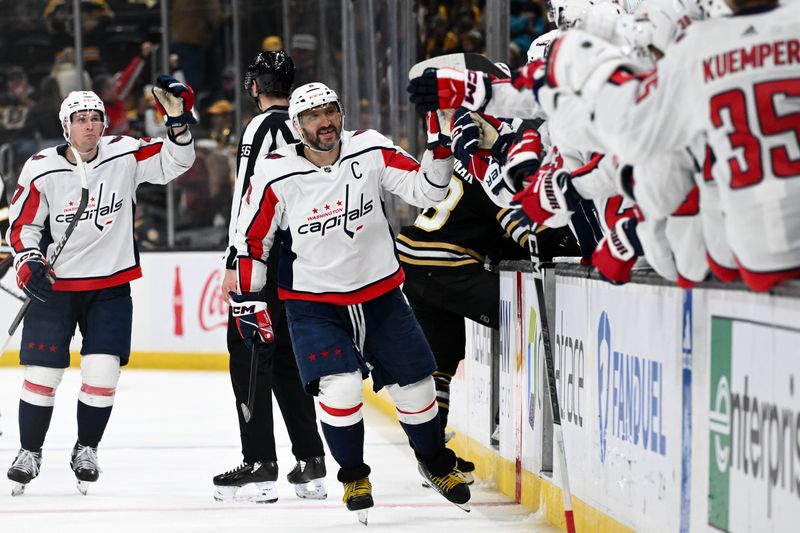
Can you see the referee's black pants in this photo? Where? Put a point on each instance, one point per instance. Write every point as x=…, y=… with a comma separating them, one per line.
x=277, y=373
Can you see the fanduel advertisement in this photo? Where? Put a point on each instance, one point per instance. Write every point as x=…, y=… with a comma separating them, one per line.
x=618, y=353
x=754, y=426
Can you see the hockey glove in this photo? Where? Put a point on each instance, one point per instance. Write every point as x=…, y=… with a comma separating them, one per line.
x=550, y=199
x=617, y=251
x=466, y=136
x=174, y=100
x=522, y=159
x=252, y=318
x=34, y=275
x=447, y=88
x=437, y=128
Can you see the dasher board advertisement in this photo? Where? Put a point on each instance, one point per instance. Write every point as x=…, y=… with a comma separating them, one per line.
x=178, y=306
x=617, y=353
x=754, y=413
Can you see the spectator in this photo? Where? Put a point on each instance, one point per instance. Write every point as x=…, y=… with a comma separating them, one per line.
x=66, y=73
x=114, y=90
x=193, y=26
x=15, y=103
x=442, y=40
x=40, y=118
x=272, y=43
x=304, y=50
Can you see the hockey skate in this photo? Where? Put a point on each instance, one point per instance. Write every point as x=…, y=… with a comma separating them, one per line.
x=24, y=468
x=308, y=478
x=84, y=464
x=358, y=498
x=466, y=468
x=451, y=485
x=262, y=476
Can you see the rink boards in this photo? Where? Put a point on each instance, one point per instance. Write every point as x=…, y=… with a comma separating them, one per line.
x=680, y=409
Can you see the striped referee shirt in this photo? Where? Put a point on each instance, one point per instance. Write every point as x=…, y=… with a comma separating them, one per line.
x=265, y=133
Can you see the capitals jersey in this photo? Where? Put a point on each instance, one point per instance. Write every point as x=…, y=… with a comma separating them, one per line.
x=459, y=230
x=101, y=252
x=337, y=245
x=734, y=79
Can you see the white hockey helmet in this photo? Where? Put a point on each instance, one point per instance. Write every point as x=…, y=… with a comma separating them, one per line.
x=660, y=22
x=705, y=9
x=309, y=96
x=541, y=45
x=80, y=101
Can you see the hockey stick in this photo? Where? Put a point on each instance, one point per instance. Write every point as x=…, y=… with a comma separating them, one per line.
x=247, y=410
x=458, y=61
x=558, y=436
x=60, y=246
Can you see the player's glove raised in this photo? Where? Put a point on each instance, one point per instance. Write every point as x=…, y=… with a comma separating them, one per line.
x=252, y=318
x=174, y=100
x=437, y=127
x=34, y=275
x=550, y=199
x=448, y=88
x=521, y=159
x=617, y=251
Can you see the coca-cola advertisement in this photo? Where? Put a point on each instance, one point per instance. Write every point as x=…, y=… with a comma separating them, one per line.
x=183, y=311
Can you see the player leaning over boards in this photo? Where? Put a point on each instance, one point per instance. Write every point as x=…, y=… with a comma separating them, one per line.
x=90, y=287
x=340, y=278
x=268, y=81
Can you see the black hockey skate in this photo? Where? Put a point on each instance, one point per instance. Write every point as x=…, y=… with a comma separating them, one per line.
x=466, y=468
x=24, y=468
x=450, y=485
x=308, y=478
x=261, y=475
x=358, y=497
x=84, y=464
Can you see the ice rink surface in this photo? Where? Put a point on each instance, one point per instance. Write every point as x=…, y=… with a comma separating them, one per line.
x=171, y=432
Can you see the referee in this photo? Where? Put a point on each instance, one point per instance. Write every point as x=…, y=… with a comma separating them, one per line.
x=268, y=80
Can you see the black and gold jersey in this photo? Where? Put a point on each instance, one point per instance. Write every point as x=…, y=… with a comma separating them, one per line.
x=461, y=229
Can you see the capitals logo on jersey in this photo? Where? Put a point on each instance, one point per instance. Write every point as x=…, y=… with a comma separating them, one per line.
x=345, y=215
x=99, y=210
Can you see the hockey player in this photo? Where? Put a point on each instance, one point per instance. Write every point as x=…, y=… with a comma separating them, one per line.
x=728, y=79
x=268, y=81
x=446, y=252
x=90, y=286
x=340, y=278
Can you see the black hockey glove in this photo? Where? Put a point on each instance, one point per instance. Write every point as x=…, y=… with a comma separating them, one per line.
x=174, y=99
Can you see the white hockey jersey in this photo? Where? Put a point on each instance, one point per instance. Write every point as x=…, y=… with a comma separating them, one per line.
x=101, y=252
x=734, y=79
x=337, y=244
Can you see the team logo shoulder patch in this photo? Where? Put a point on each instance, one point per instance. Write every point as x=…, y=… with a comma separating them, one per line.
x=273, y=155
x=37, y=157
x=359, y=132
x=119, y=138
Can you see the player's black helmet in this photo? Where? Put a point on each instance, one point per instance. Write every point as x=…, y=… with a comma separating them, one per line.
x=273, y=73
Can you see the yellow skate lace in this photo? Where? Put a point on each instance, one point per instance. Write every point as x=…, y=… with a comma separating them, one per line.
x=450, y=480
x=354, y=489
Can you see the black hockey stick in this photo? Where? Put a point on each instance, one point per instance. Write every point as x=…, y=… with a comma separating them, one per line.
x=60, y=246
x=558, y=435
x=247, y=410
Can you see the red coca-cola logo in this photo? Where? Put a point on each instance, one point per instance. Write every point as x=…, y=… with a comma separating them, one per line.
x=213, y=312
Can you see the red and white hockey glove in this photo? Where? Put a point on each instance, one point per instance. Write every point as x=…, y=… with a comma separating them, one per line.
x=438, y=132
x=617, y=251
x=174, y=100
x=34, y=275
x=522, y=159
x=252, y=318
x=448, y=88
x=550, y=199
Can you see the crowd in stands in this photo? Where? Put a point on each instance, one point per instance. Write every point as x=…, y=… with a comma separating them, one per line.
x=121, y=58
